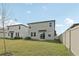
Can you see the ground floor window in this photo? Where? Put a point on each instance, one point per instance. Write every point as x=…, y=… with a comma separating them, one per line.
x=42, y=36
x=11, y=34
x=8, y=34
x=17, y=34
x=33, y=34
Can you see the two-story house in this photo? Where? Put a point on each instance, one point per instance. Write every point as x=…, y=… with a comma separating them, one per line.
x=18, y=30
x=35, y=30
x=42, y=30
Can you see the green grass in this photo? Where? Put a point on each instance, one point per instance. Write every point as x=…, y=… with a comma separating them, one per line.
x=34, y=48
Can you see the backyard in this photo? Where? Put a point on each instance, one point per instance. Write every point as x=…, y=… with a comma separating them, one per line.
x=34, y=48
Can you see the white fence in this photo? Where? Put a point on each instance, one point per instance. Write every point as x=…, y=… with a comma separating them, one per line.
x=70, y=38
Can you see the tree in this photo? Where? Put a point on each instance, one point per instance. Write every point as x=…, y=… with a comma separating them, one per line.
x=4, y=18
x=3, y=14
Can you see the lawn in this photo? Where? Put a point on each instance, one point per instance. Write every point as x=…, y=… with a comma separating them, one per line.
x=34, y=48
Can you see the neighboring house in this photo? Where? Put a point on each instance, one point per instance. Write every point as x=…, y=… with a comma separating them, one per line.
x=19, y=30
x=1, y=32
x=42, y=30
x=70, y=38
x=35, y=30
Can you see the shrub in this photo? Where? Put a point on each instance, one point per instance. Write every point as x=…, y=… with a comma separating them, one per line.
x=17, y=37
x=27, y=38
x=4, y=38
x=7, y=38
x=57, y=40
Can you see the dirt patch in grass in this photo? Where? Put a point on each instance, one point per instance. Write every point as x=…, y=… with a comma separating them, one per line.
x=6, y=54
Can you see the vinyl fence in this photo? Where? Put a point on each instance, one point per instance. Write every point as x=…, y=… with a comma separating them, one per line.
x=70, y=38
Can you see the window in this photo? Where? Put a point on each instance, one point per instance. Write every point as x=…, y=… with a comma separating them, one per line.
x=18, y=34
x=29, y=27
x=8, y=28
x=49, y=35
x=34, y=33
x=31, y=33
x=50, y=24
x=19, y=27
x=8, y=34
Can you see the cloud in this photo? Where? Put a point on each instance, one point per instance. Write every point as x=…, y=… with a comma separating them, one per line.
x=8, y=22
x=59, y=28
x=0, y=17
x=28, y=12
x=44, y=7
x=29, y=4
x=69, y=21
x=11, y=22
x=59, y=25
x=66, y=24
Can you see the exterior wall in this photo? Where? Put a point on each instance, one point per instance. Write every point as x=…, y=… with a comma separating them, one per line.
x=67, y=38
x=71, y=39
x=42, y=26
x=64, y=38
x=23, y=31
x=75, y=40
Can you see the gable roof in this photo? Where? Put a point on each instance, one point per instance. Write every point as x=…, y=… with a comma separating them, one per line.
x=17, y=25
x=41, y=22
x=74, y=25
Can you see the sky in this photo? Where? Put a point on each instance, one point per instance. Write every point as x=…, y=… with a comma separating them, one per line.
x=65, y=14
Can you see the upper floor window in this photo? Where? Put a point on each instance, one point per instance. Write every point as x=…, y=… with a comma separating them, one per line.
x=50, y=24
x=29, y=27
x=49, y=35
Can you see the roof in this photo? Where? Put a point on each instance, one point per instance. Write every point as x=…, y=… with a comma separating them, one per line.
x=74, y=25
x=41, y=22
x=17, y=25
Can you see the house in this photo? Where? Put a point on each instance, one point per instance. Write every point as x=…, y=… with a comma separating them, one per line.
x=42, y=30
x=1, y=32
x=35, y=30
x=18, y=30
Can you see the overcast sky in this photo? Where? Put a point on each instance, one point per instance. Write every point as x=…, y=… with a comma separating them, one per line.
x=64, y=14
